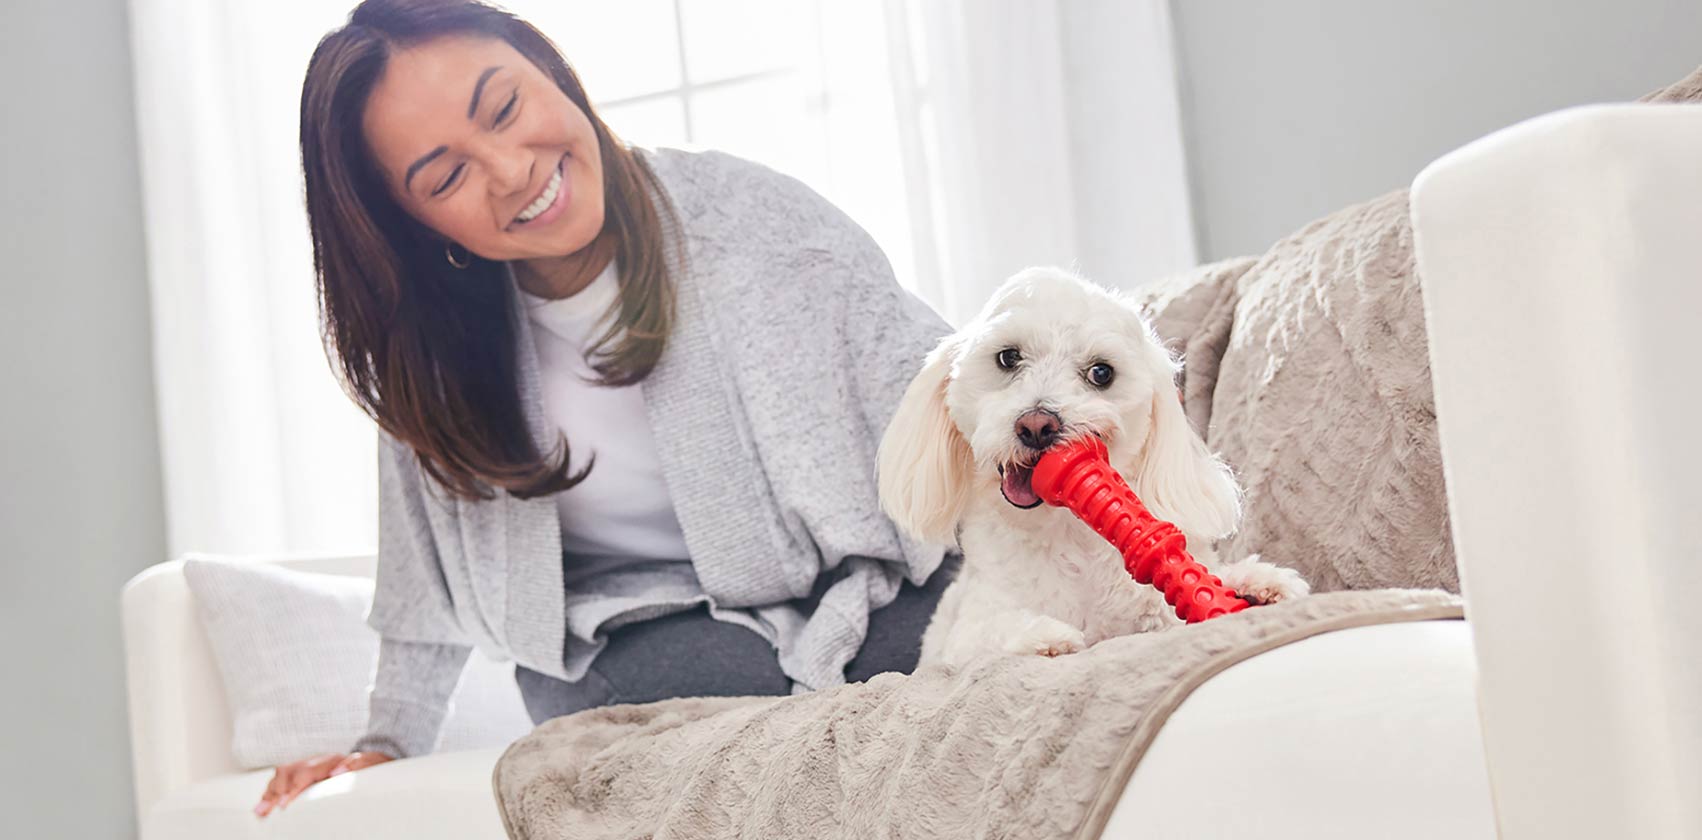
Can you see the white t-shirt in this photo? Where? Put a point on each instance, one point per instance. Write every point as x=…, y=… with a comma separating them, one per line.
x=622, y=510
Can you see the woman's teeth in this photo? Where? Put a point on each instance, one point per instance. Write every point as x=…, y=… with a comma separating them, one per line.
x=544, y=200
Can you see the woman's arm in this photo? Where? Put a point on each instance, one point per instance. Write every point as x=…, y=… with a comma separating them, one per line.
x=411, y=600
x=886, y=330
x=420, y=655
x=410, y=696
x=889, y=330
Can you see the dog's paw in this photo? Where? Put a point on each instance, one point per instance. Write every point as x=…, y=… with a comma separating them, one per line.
x=1262, y=583
x=1043, y=635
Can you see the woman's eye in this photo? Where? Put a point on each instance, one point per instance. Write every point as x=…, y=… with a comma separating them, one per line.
x=502, y=115
x=1100, y=375
x=1008, y=358
x=448, y=182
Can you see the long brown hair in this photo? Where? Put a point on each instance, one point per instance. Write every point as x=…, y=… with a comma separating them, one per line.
x=425, y=349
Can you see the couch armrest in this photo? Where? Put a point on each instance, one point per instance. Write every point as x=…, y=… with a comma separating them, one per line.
x=1562, y=270
x=180, y=724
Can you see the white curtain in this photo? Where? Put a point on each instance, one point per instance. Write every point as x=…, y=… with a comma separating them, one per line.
x=1039, y=132
x=261, y=451
x=971, y=138
x=985, y=123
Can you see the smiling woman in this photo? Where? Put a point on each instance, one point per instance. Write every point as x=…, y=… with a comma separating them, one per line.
x=431, y=133
x=499, y=274
x=504, y=160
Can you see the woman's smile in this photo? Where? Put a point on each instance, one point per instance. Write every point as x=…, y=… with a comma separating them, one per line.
x=550, y=202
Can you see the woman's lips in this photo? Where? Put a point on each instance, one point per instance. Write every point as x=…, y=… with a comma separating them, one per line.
x=563, y=196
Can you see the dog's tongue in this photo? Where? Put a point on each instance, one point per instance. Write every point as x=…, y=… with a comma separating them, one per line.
x=1018, y=487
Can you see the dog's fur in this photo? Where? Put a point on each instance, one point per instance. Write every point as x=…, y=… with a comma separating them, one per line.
x=1039, y=581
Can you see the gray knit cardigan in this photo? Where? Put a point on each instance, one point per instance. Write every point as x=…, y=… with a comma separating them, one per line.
x=792, y=346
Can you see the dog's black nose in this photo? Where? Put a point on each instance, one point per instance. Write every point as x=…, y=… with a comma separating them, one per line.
x=1038, y=428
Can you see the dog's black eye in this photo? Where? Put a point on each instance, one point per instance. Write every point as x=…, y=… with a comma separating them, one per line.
x=1008, y=358
x=1100, y=375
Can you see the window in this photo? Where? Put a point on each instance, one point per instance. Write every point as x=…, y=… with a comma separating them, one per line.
x=803, y=87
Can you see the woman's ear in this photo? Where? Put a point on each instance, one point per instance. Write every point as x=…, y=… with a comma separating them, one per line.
x=924, y=462
x=1180, y=479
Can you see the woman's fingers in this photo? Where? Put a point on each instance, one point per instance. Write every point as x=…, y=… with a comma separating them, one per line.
x=276, y=788
x=306, y=775
x=269, y=797
x=283, y=781
x=298, y=781
x=289, y=780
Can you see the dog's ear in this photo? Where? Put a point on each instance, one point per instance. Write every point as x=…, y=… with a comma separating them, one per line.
x=1180, y=479
x=924, y=462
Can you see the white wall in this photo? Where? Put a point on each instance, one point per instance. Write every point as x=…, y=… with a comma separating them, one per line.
x=1295, y=108
x=79, y=473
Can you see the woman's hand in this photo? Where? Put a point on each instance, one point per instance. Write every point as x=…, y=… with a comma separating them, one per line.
x=291, y=779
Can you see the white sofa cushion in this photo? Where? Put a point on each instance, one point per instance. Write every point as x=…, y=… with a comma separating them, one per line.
x=438, y=795
x=1364, y=732
x=297, y=661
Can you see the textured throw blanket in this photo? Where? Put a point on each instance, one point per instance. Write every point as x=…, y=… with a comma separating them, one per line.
x=1008, y=747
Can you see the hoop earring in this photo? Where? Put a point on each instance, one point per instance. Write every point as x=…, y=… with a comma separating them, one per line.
x=449, y=254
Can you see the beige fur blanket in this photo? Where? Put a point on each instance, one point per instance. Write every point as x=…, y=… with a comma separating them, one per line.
x=1308, y=370
x=1021, y=747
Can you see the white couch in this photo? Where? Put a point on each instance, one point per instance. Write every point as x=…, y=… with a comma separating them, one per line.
x=1383, y=716
x=188, y=785
x=1559, y=260
x=1562, y=265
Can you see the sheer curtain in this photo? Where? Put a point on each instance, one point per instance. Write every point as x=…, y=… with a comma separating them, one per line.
x=970, y=138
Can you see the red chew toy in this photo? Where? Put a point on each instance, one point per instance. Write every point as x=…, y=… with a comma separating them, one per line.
x=1079, y=477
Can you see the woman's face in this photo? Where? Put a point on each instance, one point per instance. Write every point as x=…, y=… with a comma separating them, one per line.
x=471, y=136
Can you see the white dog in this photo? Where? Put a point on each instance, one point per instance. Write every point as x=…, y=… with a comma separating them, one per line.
x=1052, y=358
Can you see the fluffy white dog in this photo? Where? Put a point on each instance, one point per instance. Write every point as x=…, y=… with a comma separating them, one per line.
x=1051, y=358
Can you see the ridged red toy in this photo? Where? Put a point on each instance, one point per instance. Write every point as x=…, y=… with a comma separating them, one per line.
x=1078, y=476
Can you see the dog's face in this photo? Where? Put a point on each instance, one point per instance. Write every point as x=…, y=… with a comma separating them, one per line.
x=1051, y=358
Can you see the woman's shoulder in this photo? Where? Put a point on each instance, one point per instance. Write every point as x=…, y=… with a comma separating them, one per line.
x=763, y=236
x=710, y=168
x=709, y=184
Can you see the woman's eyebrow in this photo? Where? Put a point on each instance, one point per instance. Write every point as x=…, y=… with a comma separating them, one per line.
x=415, y=166
x=473, y=106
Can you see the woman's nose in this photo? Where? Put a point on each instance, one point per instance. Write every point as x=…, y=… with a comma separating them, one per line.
x=510, y=169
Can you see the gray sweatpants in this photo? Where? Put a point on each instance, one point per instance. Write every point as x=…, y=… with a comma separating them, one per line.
x=690, y=654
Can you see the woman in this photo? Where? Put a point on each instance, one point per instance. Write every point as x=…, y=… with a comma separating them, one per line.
x=628, y=401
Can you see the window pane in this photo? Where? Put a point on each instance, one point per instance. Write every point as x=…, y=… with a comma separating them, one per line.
x=775, y=120
x=865, y=161
x=727, y=38
x=651, y=123
x=619, y=49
